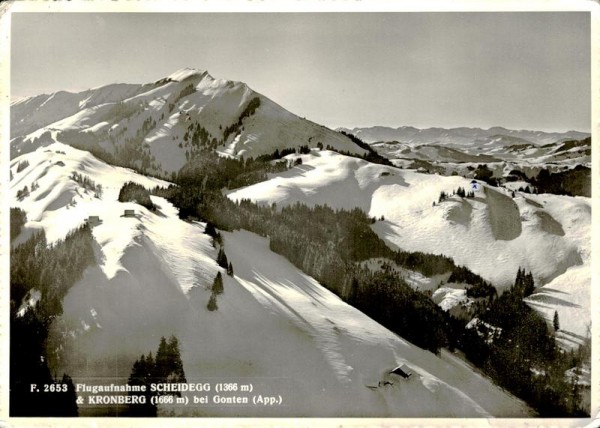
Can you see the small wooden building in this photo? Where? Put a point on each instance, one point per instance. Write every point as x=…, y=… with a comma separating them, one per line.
x=129, y=213
x=94, y=220
x=402, y=370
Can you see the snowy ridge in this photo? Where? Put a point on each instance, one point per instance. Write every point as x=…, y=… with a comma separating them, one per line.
x=492, y=234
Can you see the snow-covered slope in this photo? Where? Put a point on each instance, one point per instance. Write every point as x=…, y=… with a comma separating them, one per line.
x=159, y=118
x=30, y=114
x=492, y=234
x=275, y=327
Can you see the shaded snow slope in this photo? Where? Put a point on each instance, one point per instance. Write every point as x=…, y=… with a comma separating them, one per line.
x=276, y=328
x=492, y=233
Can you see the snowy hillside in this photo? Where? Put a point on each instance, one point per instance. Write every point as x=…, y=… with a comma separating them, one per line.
x=165, y=121
x=492, y=234
x=275, y=326
x=30, y=114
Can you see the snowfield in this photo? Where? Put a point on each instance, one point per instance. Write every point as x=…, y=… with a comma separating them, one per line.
x=275, y=327
x=492, y=234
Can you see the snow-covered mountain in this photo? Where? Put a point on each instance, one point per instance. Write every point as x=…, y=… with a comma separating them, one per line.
x=166, y=120
x=461, y=136
x=493, y=234
x=276, y=327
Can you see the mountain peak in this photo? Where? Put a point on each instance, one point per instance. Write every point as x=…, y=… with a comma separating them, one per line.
x=185, y=73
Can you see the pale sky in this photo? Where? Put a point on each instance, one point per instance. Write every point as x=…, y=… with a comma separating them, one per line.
x=517, y=70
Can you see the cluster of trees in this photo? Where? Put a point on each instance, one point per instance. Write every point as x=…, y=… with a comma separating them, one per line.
x=388, y=299
x=198, y=137
x=458, y=192
x=88, y=184
x=573, y=182
x=133, y=152
x=217, y=287
x=477, y=286
x=277, y=154
x=484, y=173
x=23, y=193
x=248, y=111
x=371, y=155
x=22, y=165
x=50, y=270
x=166, y=367
x=17, y=221
x=463, y=193
x=524, y=357
x=134, y=192
x=526, y=189
x=210, y=172
x=524, y=283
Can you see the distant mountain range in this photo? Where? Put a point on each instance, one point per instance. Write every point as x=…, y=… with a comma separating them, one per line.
x=461, y=136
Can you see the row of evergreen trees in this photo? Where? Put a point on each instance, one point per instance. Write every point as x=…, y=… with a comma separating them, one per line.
x=22, y=165
x=217, y=286
x=248, y=111
x=370, y=155
x=461, y=192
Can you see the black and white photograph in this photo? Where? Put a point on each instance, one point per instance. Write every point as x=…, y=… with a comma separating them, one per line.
x=297, y=214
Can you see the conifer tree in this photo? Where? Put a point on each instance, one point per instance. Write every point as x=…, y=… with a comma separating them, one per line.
x=528, y=284
x=210, y=229
x=217, y=287
x=555, y=321
x=230, y=269
x=175, y=365
x=161, y=370
x=222, y=259
x=212, y=303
